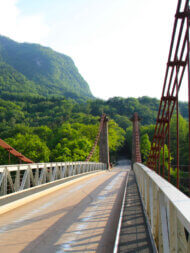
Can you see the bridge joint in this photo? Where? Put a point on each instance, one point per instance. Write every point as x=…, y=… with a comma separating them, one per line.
x=19, y=156
x=8, y=149
x=176, y=63
x=159, y=136
x=182, y=15
x=155, y=148
x=169, y=98
x=163, y=120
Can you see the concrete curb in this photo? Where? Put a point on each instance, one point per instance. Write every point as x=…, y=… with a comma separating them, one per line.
x=33, y=196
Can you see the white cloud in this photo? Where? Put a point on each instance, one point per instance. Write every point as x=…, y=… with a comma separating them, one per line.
x=17, y=26
x=8, y=15
x=32, y=29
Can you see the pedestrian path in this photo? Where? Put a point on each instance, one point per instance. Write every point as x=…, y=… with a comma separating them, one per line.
x=134, y=236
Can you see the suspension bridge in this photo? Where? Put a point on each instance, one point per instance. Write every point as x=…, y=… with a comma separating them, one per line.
x=91, y=207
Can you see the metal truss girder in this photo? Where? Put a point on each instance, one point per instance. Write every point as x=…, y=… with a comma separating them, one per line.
x=25, y=179
x=54, y=174
x=42, y=175
x=2, y=175
x=32, y=178
x=10, y=181
x=62, y=171
x=17, y=179
x=37, y=174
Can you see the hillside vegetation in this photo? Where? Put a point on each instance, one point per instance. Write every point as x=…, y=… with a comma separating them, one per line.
x=59, y=121
x=31, y=68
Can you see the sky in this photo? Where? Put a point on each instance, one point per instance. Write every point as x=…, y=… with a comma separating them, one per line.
x=120, y=47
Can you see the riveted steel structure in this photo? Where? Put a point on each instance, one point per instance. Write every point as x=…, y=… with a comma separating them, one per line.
x=97, y=137
x=12, y=151
x=103, y=143
x=178, y=62
x=136, y=154
x=102, y=137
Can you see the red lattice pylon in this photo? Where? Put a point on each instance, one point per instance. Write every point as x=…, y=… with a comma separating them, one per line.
x=178, y=61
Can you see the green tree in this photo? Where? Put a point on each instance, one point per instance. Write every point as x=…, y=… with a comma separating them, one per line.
x=61, y=154
x=129, y=136
x=122, y=121
x=44, y=132
x=145, y=146
x=166, y=159
x=116, y=138
x=30, y=146
x=183, y=139
x=147, y=129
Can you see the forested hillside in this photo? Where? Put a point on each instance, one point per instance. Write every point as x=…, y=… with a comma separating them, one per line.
x=36, y=70
x=60, y=129
x=65, y=127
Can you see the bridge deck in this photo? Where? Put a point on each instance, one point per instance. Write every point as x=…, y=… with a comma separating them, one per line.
x=134, y=236
x=82, y=217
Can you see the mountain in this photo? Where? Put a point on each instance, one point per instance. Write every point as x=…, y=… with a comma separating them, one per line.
x=37, y=70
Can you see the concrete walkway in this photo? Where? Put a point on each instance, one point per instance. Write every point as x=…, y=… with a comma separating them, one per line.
x=134, y=236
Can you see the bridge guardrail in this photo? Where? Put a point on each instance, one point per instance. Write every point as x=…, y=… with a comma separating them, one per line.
x=168, y=210
x=14, y=178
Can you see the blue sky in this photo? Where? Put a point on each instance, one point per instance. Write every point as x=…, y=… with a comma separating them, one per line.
x=119, y=46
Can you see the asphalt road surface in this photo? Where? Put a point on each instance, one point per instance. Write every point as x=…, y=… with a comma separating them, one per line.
x=81, y=217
